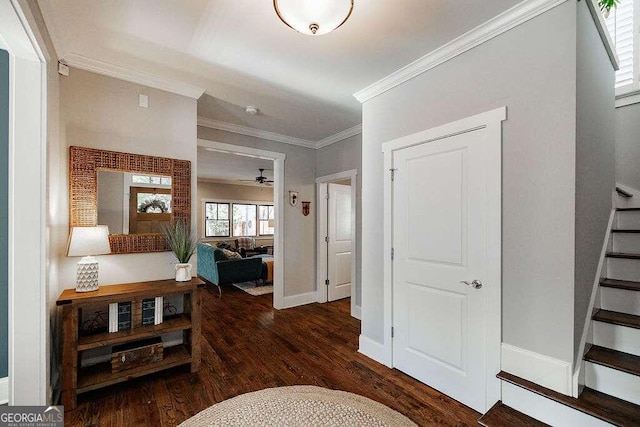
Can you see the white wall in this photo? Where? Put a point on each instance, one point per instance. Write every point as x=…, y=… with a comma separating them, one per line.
x=339, y=157
x=102, y=112
x=299, y=230
x=628, y=145
x=595, y=160
x=531, y=70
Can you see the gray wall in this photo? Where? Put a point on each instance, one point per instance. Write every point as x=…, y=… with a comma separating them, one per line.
x=595, y=160
x=628, y=145
x=4, y=209
x=102, y=112
x=111, y=200
x=531, y=70
x=299, y=230
x=339, y=157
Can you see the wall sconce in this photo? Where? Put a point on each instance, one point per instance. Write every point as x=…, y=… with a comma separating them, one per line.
x=306, y=208
x=293, y=198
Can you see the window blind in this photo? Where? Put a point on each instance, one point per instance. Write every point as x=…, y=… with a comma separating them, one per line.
x=620, y=26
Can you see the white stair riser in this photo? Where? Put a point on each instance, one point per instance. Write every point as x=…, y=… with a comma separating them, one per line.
x=626, y=242
x=617, y=337
x=620, y=300
x=628, y=219
x=613, y=382
x=623, y=269
x=546, y=410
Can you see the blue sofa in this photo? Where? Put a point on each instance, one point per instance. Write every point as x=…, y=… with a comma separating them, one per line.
x=214, y=267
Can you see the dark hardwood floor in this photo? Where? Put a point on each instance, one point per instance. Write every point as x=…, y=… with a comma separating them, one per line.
x=249, y=346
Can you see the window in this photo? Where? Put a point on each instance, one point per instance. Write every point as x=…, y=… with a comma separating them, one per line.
x=244, y=220
x=216, y=221
x=151, y=179
x=623, y=25
x=229, y=219
x=266, y=220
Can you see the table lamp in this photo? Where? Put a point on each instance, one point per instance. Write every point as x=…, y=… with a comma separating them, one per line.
x=87, y=242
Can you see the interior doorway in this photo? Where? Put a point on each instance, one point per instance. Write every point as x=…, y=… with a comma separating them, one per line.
x=278, y=213
x=336, y=238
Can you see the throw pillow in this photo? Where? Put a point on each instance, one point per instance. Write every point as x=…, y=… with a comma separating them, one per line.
x=231, y=254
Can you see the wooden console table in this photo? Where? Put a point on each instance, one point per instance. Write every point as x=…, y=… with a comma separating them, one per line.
x=76, y=379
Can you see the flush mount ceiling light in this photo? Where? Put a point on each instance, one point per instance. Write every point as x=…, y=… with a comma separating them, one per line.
x=313, y=17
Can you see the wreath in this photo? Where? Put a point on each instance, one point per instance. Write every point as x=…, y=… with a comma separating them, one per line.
x=153, y=206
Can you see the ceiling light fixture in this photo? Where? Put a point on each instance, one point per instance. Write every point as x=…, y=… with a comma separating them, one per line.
x=313, y=17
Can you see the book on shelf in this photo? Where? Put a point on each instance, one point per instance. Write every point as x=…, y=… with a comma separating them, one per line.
x=113, y=317
x=148, y=311
x=159, y=310
x=124, y=315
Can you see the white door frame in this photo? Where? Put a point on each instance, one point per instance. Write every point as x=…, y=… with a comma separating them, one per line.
x=491, y=121
x=321, y=232
x=278, y=204
x=28, y=348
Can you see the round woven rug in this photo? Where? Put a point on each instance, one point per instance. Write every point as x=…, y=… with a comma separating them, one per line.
x=298, y=406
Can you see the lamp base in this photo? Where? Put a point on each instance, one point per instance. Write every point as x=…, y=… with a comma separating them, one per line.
x=87, y=278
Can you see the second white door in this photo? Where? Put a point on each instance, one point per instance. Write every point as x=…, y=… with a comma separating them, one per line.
x=339, y=241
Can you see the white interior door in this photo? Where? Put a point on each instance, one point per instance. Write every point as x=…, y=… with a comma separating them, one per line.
x=440, y=242
x=339, y=246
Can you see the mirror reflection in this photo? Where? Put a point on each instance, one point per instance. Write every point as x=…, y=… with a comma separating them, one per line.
x=131, y=203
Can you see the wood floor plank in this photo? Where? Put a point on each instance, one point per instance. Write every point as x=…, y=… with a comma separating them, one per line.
x=248, y=346
x=501, y=415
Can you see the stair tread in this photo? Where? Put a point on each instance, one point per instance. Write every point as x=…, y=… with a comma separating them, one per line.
x=620, y=284
x=623, y=230
x=501, y=415
x=623, y=255
x=616, y=318
x=592, y=402
x=614, y=359
x=628, y=209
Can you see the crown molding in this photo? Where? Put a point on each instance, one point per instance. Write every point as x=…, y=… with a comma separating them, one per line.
x=100, y=67
x=256, y=133
x=511, y=18
x=347, y=133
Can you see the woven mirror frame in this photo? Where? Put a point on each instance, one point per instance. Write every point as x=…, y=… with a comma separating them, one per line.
x=84, y=164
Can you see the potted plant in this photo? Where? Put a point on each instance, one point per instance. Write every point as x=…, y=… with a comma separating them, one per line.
x=182, y=242
x=607, y=5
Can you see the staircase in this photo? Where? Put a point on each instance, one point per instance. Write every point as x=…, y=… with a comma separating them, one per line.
x=611, y=364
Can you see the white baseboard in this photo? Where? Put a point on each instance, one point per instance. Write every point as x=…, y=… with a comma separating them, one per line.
x=543, y=370
x=297, y=300
x=357, y=312
x=4, y=390
x=374, y=350
x=546, y=410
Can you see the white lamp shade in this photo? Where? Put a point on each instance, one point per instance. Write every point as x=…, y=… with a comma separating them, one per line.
x=89, y=241
x=303, y=15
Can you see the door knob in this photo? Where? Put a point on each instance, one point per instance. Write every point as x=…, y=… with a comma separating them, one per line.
x=476, y=284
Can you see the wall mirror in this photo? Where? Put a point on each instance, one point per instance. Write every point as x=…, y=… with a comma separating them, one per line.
x=131, y=193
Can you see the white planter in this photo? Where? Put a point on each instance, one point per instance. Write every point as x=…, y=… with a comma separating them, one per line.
x=183, y=272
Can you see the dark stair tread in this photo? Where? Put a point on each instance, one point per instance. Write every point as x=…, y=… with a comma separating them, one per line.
x=627, y=209
x=592, y=402
x=620, y=284
x=616, y=318
x=622, y=230
x=614, y=359
x=623, y=255
x=501, y=415
x=623, y=192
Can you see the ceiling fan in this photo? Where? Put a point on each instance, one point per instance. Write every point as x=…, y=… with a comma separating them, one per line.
x=259, y=179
